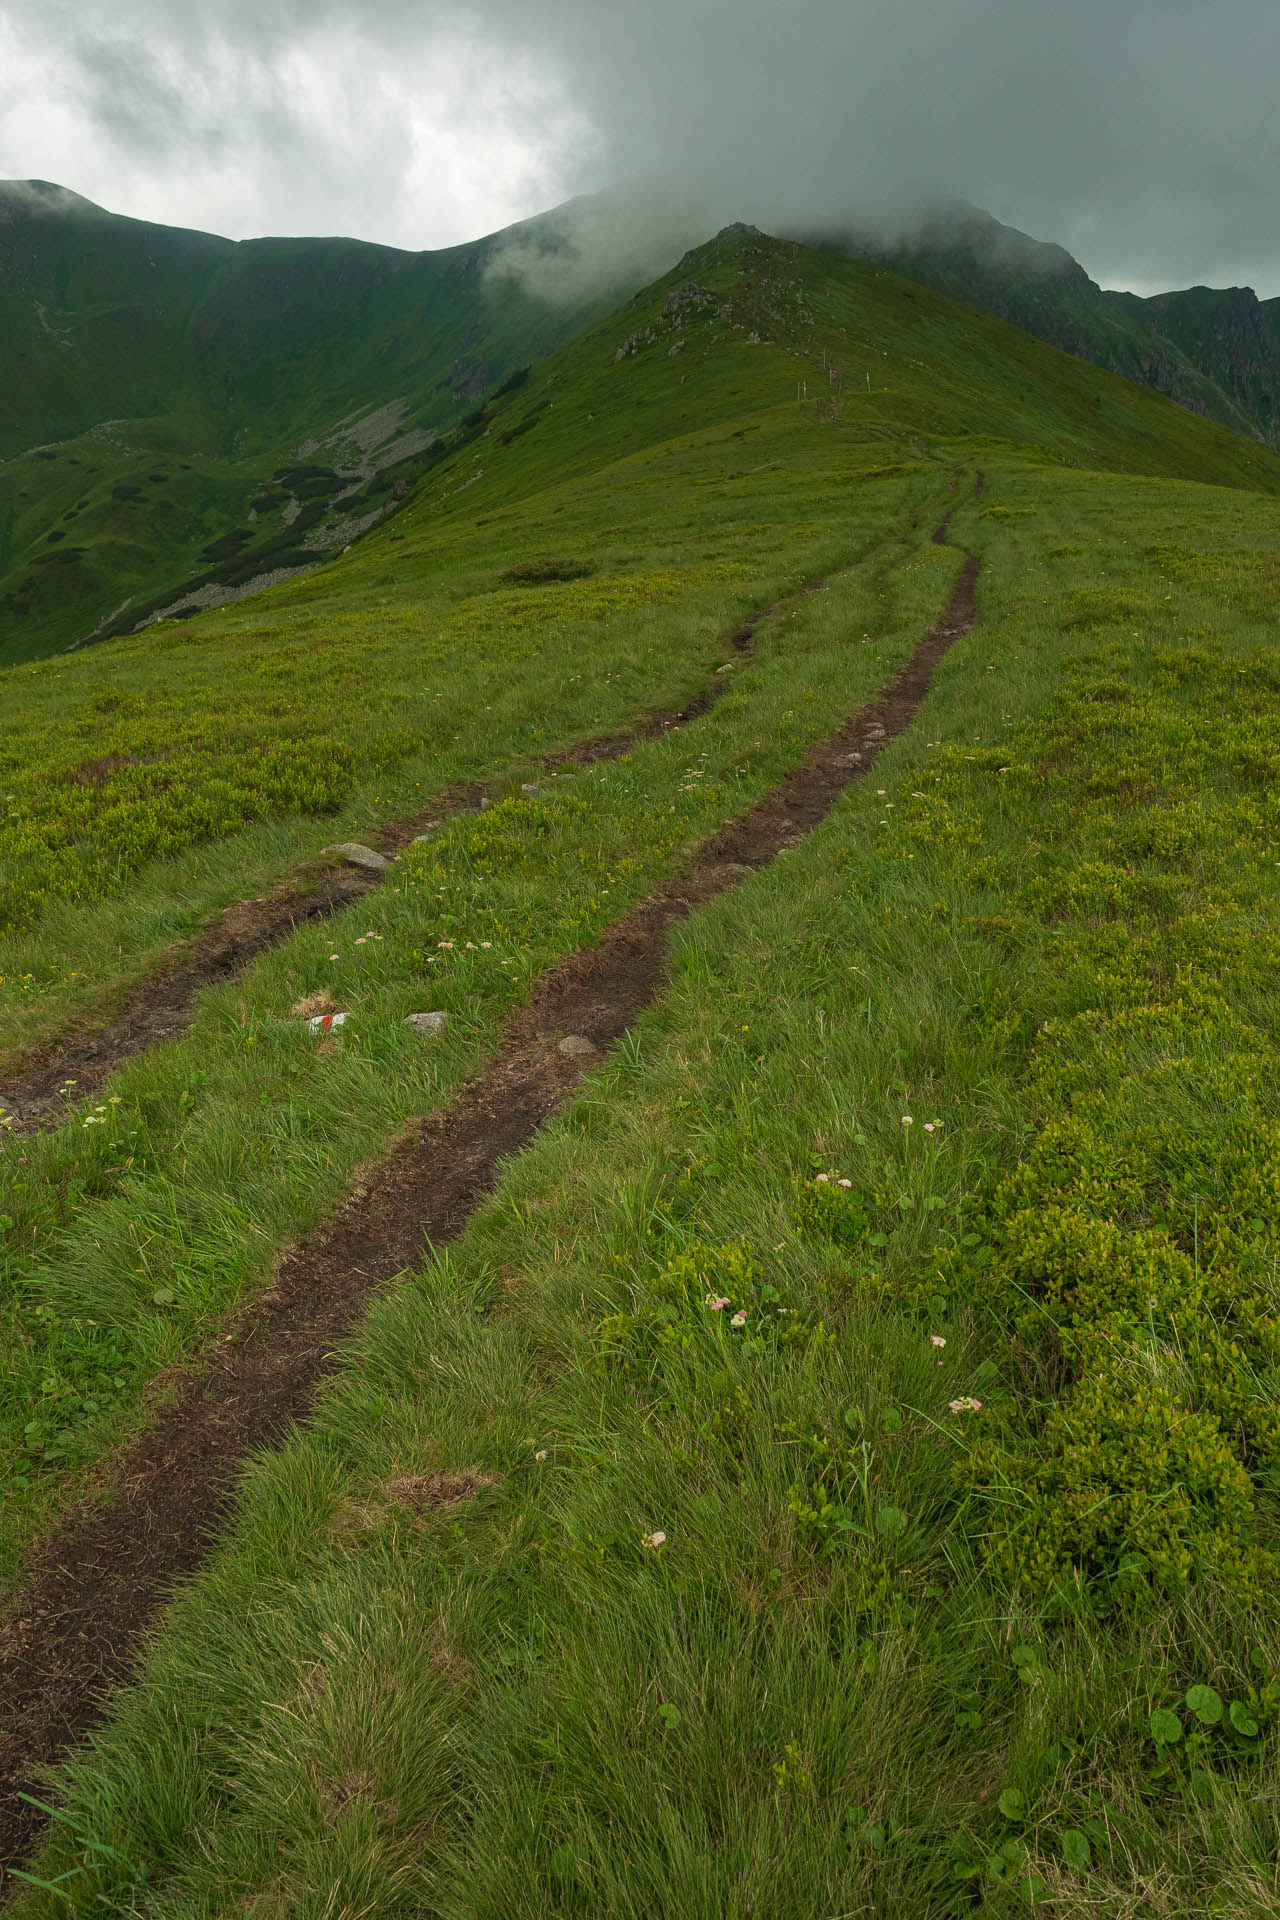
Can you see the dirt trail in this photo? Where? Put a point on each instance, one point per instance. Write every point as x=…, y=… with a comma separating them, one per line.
x=98, y=1583
x=163, y=1003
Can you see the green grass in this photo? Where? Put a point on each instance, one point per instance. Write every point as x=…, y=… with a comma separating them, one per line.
x=693, y=484
x=699, y=1536
x=442, y=1666
x=165, y=1196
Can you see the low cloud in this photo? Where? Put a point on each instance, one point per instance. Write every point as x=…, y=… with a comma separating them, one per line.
x=1142, y=134
x=600, y=244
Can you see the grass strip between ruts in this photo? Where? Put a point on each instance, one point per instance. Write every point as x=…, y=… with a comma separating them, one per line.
x=165, y=1198
x=703, y=1538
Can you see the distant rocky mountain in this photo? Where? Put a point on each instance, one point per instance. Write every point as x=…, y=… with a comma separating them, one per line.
x=1216, y=351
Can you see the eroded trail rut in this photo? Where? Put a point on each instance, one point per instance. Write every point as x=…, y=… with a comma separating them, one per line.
x=163, y=1004
x=98, y=1583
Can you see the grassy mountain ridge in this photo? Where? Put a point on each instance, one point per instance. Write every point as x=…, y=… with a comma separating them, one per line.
x=167, y=393
x=1216, y=351
x=871, y=350
x=751, y=354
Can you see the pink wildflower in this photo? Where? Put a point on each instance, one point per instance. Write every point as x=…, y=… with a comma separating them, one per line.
x=967, y=1405
x=717, y=1305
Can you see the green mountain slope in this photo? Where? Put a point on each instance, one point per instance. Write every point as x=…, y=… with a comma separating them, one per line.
x=185, y=418
x=1216, y=351
x=795, y=350
x=834, y=1469
x=887, y=353
x=182, y=412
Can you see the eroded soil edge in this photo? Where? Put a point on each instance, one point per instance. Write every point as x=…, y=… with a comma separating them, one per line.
x=97, y=1584
x=35, y=1085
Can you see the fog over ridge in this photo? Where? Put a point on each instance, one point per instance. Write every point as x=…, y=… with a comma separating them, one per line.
x=1143, y=135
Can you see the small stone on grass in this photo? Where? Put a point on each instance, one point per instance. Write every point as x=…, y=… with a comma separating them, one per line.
x=356, y=854
x=427, y=1022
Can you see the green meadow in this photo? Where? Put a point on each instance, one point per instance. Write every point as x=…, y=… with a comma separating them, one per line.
x=836, y=1473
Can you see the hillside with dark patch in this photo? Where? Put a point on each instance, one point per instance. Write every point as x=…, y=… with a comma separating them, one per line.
x=183, y=415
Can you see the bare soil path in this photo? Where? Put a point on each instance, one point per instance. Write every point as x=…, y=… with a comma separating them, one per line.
x=35, y=1084
x=97, y=1584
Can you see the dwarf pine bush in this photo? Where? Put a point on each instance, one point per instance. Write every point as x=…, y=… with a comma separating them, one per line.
x=1131, y=1264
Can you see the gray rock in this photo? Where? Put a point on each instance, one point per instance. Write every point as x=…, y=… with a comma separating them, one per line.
x=577, y=1044
x=357, y=855
x=688, y=295
x=527, y=786
x=735, y=870
x=427, y=1022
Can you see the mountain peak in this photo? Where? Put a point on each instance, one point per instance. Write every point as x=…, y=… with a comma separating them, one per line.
x=738, y=230
x=42, y=199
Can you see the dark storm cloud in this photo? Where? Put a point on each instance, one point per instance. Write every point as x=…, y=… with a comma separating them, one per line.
x=1143, y=134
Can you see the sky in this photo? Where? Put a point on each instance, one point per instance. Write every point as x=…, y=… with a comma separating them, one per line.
x=1144, y=135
